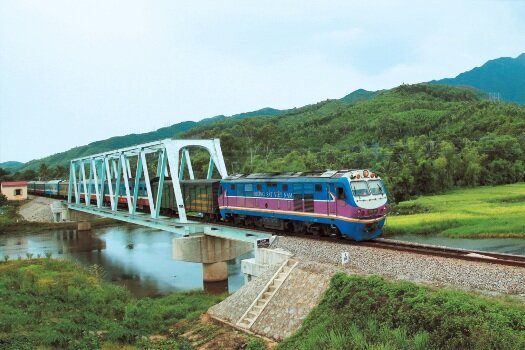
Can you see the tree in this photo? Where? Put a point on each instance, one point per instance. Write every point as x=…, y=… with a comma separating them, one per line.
x=3, y=199
x=4, y=174
x=43, y=172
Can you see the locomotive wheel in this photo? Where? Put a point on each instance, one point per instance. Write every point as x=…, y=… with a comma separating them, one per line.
x=300, y=227
x=323, y=231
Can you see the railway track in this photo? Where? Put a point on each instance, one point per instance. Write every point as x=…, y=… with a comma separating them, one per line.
x=447, y=252
x=416, y=248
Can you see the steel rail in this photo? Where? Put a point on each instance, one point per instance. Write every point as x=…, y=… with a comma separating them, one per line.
x=447, y=252
x=415, y=248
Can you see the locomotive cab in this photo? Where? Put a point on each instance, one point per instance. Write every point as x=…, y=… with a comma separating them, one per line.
x=368, y=194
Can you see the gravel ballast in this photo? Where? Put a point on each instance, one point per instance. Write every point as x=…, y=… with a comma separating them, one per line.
x=412, y=267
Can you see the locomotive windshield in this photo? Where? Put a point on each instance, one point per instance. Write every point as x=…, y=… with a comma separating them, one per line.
x=359, y=188
x=376, y=187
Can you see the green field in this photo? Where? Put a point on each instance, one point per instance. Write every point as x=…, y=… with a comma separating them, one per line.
x=483, y=212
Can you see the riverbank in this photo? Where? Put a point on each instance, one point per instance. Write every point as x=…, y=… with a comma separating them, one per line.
x=481, y=212
x=35, y=214
x=49, y=303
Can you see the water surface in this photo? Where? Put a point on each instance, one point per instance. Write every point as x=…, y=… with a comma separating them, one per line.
x=136, y=257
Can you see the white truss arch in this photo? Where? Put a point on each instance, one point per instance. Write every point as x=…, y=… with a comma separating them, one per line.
x=113, y=169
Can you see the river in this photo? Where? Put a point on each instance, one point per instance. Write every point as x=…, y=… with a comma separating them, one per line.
x=136, y=257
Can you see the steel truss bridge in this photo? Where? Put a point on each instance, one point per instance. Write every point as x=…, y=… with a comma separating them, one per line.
x=132, y=165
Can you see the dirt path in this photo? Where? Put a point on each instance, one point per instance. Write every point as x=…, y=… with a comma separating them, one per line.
x=37, y=210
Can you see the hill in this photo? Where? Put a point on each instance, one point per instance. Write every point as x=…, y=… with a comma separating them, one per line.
x=504, y=77
x=360, y=95
x=10, y=164
x=423, y=138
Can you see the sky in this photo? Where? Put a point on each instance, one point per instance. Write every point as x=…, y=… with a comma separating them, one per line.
x=74, y=72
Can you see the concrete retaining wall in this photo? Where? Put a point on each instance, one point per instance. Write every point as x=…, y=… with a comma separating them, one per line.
x=299, y=294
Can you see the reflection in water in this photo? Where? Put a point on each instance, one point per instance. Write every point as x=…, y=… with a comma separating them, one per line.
x=136, y=257
x=218, y=287
x=73, y=241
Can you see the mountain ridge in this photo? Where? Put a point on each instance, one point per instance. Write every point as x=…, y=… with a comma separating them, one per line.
x=501, y=78
x=468, y=79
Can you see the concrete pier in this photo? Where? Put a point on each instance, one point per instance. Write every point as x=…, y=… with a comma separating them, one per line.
x=212, y=252
x=214, y=272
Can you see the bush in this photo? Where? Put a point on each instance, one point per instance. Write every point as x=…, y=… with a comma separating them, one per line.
x=59, y=304
x=3, y=199
x=368, y=312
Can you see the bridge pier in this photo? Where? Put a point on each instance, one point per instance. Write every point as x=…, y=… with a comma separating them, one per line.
x=214, y=272
x=212, y=252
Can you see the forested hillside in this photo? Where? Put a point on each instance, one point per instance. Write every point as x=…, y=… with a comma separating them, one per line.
x=421, y=138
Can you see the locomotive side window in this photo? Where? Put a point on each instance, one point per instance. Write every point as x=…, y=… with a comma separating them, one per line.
x=248, y=190
x=340, y=193
x=318, y=188
x=232, y=186
x=285, y=187
x=259, y=187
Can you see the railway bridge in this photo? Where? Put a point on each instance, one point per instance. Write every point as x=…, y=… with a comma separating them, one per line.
x=100, y=182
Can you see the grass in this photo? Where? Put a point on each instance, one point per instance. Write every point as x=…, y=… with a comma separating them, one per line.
x=50, y=303
x=481, y=212
x=370, y=313
x=9, y=213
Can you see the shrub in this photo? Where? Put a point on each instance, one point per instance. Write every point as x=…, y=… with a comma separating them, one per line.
x=368, y=312
x=3, y=199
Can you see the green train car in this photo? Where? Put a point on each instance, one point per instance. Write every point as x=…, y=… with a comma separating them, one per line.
x=200, y=197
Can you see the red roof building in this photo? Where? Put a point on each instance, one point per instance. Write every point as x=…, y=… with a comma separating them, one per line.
x=14, y=190
x=14, y=184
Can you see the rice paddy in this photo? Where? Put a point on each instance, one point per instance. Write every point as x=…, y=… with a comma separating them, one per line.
x=481, y=212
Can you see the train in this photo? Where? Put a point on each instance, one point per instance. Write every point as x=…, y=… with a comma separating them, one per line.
x=346, y=203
